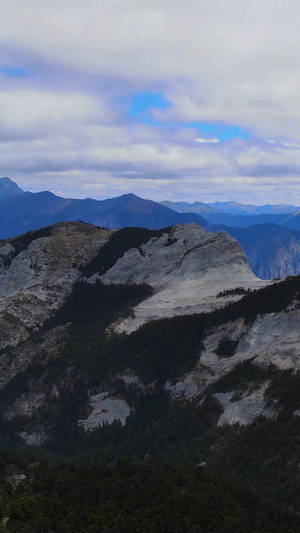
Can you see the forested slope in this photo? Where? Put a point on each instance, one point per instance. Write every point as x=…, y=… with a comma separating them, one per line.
x=173, y=375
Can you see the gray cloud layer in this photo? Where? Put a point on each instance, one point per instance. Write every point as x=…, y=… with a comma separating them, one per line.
x=64, y=125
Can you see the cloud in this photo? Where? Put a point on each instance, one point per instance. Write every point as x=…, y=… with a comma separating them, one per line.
x=71, y=76
x=201, y=140
x=40, y=114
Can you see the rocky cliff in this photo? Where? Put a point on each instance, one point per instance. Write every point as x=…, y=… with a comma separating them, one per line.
x=37, y=273
x=188, y=267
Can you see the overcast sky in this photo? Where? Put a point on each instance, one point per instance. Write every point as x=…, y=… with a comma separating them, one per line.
x=168, y=99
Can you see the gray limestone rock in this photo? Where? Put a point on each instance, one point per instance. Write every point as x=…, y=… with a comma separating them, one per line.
x=39, y=278
x=33, y=439
x=270, y=339
x=187, y=269
x=105, y=409
x=244, y=410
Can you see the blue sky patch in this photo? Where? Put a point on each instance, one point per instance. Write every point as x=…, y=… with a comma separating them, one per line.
x=142, y=103
x=13, y=72
x=221, y=131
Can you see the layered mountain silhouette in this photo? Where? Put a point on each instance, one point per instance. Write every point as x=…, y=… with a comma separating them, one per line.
x=271, y=241
x=231, y=208
x=196, y=207
x=236, y=208
x=288, y=220
x=30, y=211
x=273, y=251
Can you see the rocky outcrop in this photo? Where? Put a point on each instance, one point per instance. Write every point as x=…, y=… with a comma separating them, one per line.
x=33, y=351
x=105, y=409
x=188, y=268
x=244, y=410
x=37, y=280
x=272, y=339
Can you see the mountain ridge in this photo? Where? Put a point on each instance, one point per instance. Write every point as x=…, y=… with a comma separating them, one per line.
x=230, y=208
x=273, y=253
x=218, y=388
x=31, y=211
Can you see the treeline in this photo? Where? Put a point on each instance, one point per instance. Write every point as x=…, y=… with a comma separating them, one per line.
x=229, y=292
x=91, y=303
x=126, y=498
x=161, y=349
x=119, y=242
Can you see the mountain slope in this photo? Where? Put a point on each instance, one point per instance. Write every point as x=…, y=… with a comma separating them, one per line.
x=130, y=210
x=230, y=208
x=38, y=271
x=31, y=211
x=185, y=207
x=175, y=388
x=9, y=188
x=187, y=267
x=272, y=251
x=291, y=221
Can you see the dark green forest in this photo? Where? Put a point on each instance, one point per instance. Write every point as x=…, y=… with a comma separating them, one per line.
x=128, y=498
x=120, y=242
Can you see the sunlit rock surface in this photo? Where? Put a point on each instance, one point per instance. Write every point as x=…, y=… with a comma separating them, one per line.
x=187, y=268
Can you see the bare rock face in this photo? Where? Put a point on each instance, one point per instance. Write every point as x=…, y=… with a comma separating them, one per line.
x=270, y=339
x=105, y=409
x=39, y=278
x=244, y=410
x=32, y=351
x=187, y=268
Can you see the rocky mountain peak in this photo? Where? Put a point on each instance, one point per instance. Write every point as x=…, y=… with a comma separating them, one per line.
x=9, y=188
x=38, y=271
x=188, y=267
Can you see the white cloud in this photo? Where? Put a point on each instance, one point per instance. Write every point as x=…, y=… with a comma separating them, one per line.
x=201, y=140
x=33, y=113
x=234, y=63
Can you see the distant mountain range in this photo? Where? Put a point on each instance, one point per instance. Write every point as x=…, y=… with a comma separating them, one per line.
x=288, y=220
x=235, y=208
x=273, y=251
x=270, y=240
x=231, y=208
x=196, y=207
x=26, y=211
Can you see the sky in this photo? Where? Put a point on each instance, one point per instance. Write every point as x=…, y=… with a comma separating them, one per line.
x=190, y=100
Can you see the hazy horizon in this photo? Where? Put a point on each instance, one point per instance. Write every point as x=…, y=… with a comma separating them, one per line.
x=151, y=199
